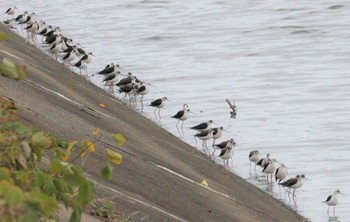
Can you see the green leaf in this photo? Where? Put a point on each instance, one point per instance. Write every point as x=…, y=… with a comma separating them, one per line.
x=3, y=36
x=75, y=179
x=76, y=214
x=11, y=194
x=41, y=140
x=45, y=183
x=45, y=204
x=8, y=69
x=85, y=193
x=60, y=184
x=114, y=157
x=119, y=138
x=56, y=166
x=107, y=171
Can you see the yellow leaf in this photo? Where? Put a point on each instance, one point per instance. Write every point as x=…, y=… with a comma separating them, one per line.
x=102, y=105
x=119, y=138
x=90, y=145
x=69, y=150
x=96, y=132
x=204, y=183
x=114, y=157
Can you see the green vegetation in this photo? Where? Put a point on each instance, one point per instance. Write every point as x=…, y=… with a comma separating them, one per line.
x=28, y=192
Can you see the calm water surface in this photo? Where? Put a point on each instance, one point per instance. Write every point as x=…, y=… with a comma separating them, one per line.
x=285, y=63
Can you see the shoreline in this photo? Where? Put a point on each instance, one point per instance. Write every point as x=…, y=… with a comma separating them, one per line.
x=157, y=166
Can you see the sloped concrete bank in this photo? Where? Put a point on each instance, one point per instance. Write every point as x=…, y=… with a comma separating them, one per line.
x=160, y=174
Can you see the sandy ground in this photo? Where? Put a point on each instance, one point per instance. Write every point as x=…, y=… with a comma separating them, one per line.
x=159, y=179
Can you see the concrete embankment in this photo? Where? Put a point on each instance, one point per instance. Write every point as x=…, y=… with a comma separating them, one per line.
x=160, y=174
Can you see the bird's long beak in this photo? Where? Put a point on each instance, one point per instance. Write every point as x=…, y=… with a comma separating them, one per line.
x=307, y=179
x=226, y=130
x=342, y=193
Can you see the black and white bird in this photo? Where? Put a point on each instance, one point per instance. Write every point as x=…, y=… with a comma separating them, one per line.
x=109, y=69
x=217, y=133
x=223, y=145
x=11, y=11
x=181, y=116
x=203, y=126
x=332, y=200
x=158, y=104
x=204, y=135
x=109, y=81
x=22, y=17
x=269, y=168
x=81, y=65
x=143, y=90
x=70, y=56
x=263, y=161
x=254, y=157
x=281, y=173
x=294, y=183
x=226, y=153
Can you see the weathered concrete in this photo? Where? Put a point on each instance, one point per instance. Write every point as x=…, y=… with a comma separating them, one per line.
x=160, y=174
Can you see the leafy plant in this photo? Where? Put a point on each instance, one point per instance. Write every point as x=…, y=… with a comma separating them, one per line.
x=28, y=192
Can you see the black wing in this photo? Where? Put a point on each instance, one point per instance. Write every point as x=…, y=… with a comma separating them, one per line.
x=200, y=126
x=202, y=133
x=178, y=114
x=289, y=182
x=124, y=81
x=81, y=51
x=251, y=153
x=108, y=78
x=8, y=10
x=266, y=165
x=19, y=17
x=222, y=152
x=78, y=64
x=222, y=144
x=259, y=163
x=107, y=70
x=276, y=173
x=329, y=198
x=215, y=131
x=156, y=102
x=66, y=56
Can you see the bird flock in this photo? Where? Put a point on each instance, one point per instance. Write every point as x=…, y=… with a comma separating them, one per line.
x=133, y=90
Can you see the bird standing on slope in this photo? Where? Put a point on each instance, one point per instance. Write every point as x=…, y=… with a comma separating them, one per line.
x=332, y=200
x=254, y=156
x=203, y=126
x=158, y=104
x=281, y=173
x=11, y=11
x=269, y=168
x=294, y=183
x=181, y=115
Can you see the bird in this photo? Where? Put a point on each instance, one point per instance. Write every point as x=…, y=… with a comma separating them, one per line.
x=203, y=126
x=254, y=156
x=281, y=173
x=263, y=161
x=81, y=64
x=143, y=90
x=158, y=104
x=22, y=17
x=109, y=81
x=109, y=69
x=11, y=11
x=294, y=183
x=204, y=135
x=217, y=133
x=269, y=168
x=181, y=116
x=223, y=144
x=332, y=200
x=70, y=56
x=226, y=154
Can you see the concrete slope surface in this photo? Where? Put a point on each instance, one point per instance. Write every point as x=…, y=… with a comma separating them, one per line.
x=160, y=175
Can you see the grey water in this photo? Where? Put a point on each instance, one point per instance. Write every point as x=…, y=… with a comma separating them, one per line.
x=285, y=64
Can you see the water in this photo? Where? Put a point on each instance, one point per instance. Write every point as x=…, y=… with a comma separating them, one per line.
x=285, y=64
